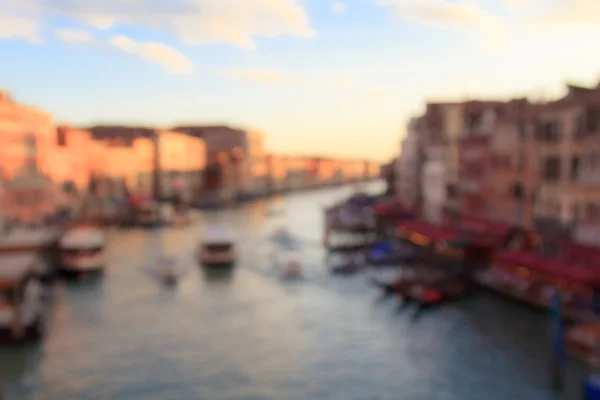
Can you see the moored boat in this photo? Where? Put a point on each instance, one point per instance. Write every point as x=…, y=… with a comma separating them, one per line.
x=21, y=305
x=147, y=214
x=346, y=263
x=82, y=251
x=27, y=240
x=289, y=264
x=217, y=249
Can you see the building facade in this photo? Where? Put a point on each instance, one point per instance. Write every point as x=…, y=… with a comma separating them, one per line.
x=474, y=187
x=27, y=141
x=433, y=184
x=410, y=164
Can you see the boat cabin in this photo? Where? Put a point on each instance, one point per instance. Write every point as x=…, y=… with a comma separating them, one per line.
x=82, y=249
x=218, y=247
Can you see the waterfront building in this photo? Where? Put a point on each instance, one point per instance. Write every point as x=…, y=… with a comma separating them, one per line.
x=246, y=148
x=565, y=138
x=26, y=146
x=181, y=162
x=410, y=163
x=474, y=189
x=514, y=165
x=277, y=172
x=433, y=184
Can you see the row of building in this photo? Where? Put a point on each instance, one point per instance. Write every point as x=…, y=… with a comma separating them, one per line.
x=534, y=165
x=194, y=163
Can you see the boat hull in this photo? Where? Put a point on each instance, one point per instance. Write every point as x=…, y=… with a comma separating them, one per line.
x=31, y=333
x=217, y=264
x=73, y=273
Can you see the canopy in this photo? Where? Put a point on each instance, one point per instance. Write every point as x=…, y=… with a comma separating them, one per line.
x=555, y=269
x=483, y=232
x=484, y=226
x=432, y=232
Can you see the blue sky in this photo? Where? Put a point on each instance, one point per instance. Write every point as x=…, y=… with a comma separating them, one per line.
x=317, y=76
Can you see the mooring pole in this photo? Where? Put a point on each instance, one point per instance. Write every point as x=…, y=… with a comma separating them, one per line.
x=558, y=342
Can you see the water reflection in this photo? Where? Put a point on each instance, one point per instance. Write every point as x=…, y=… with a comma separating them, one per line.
x=218, y=275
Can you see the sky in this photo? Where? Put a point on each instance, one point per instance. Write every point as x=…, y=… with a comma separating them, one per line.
x=333, y=78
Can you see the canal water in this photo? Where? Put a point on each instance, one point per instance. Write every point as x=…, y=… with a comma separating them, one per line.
x=249, y=335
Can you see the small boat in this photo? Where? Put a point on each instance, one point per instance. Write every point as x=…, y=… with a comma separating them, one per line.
x=389, y=254
x=167, y=270
x=22, y=316
x=289, y=265
x=217, y=249
x=147, y=214
x=346, y=263
x=81, y=251
x=284, y=239
x=21, y=239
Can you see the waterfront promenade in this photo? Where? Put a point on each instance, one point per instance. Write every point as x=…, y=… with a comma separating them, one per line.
x=251, y=336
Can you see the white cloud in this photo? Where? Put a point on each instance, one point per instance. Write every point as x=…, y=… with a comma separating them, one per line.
x=338, y=7
x=167, y=57
x=232, y=22
x=74, y=36
x=465, y=14
x=518, y=3
x=263, y=76
x=345, y=81
x=123, y=43
x=572, y=14
x=18, y=27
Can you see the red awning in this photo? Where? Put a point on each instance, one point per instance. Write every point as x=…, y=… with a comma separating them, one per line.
x=580, y=254
x=138, y=199
x=553, y=268
x=433, y=232
x=484, y=226
x=390, y=207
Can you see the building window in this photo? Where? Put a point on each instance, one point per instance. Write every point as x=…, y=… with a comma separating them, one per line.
x=517, y=191
x=574, y=167
x=592, y=117
x=549, y=131
x=552, y=168
x=61, y=139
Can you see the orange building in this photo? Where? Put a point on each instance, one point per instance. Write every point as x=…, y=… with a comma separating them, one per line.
x=277, y=167
x=182, y=160
x=26, y=144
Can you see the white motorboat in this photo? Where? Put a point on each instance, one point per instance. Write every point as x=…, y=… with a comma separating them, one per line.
x=21, y=304
x=289, y=264
x=21, y=239
x=82, y=251
x=217, y=249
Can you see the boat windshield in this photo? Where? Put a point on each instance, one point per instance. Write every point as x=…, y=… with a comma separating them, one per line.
x=218, y=247
x=81, y=251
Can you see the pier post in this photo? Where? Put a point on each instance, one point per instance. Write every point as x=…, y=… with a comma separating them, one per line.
x=558, y=343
